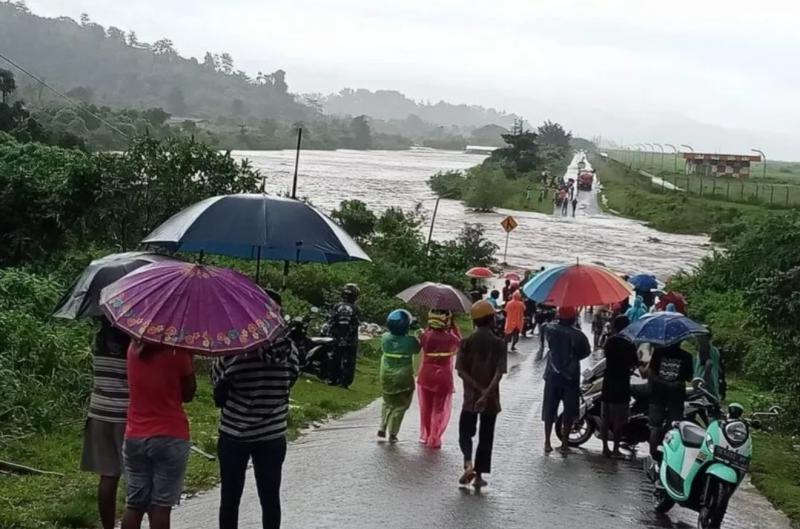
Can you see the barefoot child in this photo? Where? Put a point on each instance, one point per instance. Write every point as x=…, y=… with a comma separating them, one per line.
x=481, y=363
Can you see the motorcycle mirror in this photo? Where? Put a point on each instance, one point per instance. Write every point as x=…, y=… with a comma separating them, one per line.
x=315, y=310
x=287, y=318
x=775, y=410
x=735, y=411
x=698, y=383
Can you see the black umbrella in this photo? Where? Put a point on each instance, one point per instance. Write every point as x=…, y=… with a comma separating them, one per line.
x=82, y=300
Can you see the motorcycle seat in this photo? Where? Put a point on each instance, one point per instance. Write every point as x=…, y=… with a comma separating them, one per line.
x=691, y=434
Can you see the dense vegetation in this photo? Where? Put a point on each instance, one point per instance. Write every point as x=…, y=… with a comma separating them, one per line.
x=750, y=296
x=510, y=177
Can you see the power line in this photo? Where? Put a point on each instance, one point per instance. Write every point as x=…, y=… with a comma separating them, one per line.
x=78, y=104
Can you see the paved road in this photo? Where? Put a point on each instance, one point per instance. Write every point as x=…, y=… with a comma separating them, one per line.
x=339, y=477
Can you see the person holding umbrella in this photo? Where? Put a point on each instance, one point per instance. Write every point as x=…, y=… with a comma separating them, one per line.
x=439, y=342
x=252, y=392
x=172, y=310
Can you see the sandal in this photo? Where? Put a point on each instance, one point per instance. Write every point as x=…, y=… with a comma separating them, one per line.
x=468, y=475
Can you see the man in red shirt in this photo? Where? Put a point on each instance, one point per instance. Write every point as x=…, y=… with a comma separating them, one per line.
x=156, y=449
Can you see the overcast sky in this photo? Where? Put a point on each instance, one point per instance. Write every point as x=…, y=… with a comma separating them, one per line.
x=719, y=75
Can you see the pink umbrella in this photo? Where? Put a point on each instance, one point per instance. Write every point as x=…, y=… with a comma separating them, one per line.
x=480, y=272
x=213, y=311
x=436, y=296
x=513, y=276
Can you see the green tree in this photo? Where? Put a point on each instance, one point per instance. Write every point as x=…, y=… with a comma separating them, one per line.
x=355, y=218
x=520, y=154
x=116, y=34
x=554, y=134
x=209, y=62
x=81, y=93
x=362, y=136
x=164, y=47
x=226, y=63
x=7, y=84
x=85, y=19
x=133, y=40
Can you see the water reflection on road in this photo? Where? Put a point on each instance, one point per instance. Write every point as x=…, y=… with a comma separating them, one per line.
x=388, y=178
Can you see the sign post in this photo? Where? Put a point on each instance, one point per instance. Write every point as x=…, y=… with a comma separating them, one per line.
x=509, y=224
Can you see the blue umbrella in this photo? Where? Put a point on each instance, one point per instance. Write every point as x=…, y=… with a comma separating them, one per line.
x=644, y=282
x=257, y=226
x=663, y=329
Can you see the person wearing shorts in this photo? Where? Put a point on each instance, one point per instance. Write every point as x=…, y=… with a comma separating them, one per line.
x=568, y=346
x=105, y=422
x=621, y=359
x=156, y=449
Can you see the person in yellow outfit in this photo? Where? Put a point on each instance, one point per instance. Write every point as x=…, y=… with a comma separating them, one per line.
x=397, y=372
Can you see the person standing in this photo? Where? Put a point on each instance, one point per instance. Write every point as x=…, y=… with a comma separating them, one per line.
x=105, y=423
x=156, y=449
x=621, y=360
x=708, y=366
x=481, y=363
x=670, y=369
x=397, y=372
x=476, y=292
x=637, y=310
x=574, y=205
x=515, y=320
x=252, y=392
x=568, y=346
x=507, y=290
x=343, y=324
x=435, y=386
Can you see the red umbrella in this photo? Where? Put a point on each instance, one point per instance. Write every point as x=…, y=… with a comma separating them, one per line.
x=436, y=296
x=480, y=272
x=513, y=276
x=676, y=298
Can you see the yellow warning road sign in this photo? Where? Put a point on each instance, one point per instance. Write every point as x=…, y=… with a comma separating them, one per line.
x=509, y=224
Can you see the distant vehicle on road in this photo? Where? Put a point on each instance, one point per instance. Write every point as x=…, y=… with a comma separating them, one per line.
x=585, y=180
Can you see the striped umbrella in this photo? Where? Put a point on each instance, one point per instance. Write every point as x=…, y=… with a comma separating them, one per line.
x=577, y=285
x=436, y=296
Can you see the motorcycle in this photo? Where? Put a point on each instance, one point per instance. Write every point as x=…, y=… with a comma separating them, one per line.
x=316, y=352
x=697, y=408
x=703, y=467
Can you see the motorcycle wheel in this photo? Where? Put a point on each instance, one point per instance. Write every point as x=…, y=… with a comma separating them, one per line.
x=713, y=512
x=662, y=502
x=580, y=434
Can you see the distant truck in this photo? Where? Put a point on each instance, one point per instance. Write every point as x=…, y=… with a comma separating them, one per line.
x=585, y=180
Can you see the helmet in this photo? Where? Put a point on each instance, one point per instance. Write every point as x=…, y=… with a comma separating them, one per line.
x=481, y=309
x=350, y=292
x=398, y=322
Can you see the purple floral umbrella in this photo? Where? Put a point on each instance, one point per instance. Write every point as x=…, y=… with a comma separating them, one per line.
x=436, y=296
x=213, y=311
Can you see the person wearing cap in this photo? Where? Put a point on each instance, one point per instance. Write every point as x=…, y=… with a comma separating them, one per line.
x=568, y=346
x=435, y=386
x=481, y=363
x=397, y=372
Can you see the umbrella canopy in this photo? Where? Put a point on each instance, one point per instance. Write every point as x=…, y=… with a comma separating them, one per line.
x=663, y=329
x=513, y=276
x=257, y=226
x=676, y=298
x=436, y=296
x=210, y=310
x=83, y=298
x=480, y=272
x=576, y=285
x=644, y=282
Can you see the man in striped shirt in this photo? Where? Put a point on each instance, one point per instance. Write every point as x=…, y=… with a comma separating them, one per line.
x=253, y=392
x=105, y=424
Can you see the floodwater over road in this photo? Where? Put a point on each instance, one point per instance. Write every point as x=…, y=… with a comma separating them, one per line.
x=399, y=178
x=339, y=477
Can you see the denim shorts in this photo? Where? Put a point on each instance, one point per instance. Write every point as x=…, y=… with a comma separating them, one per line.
x=154, y=471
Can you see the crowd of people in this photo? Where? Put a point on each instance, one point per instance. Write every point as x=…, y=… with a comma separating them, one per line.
x=137, y=426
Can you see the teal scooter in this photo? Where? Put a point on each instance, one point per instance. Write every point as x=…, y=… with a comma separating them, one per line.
x=703, y=467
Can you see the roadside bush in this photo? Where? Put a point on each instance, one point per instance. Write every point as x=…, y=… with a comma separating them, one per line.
x=448, y=184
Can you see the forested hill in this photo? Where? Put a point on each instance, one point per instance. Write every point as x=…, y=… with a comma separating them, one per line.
x=110, y=67
x=390, y=104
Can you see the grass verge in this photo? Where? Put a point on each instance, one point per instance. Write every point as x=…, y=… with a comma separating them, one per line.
x=776, y=457
x=54, y=502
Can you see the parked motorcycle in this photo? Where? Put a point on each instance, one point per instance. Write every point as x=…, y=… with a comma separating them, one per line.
x=703, y=467
x=316, y=352
x=697, y=409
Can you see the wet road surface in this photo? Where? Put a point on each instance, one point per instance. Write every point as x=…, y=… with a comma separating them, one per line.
x=340, y=477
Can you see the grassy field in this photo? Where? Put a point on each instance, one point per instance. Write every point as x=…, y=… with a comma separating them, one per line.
x=634, y=196
x=780, y=188
x=56, y=502
x=776, y=458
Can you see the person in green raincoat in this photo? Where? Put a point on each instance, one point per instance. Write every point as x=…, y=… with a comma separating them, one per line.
x=708, y=365
x=397, y=372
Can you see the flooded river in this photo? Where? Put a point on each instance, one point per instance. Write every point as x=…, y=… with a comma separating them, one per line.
x=399, y=178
